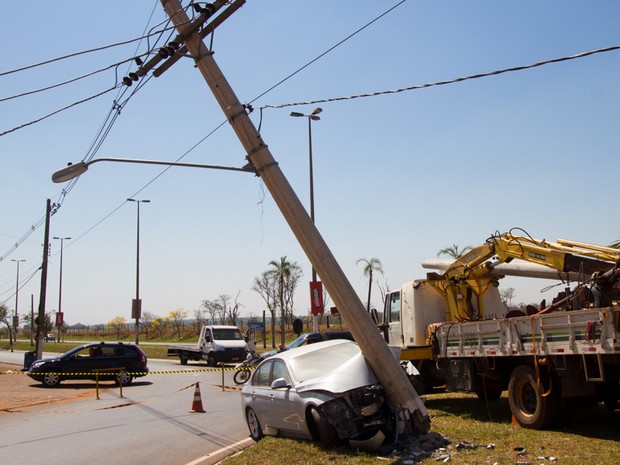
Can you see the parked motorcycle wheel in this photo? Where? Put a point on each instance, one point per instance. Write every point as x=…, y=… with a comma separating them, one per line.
x=242, y=375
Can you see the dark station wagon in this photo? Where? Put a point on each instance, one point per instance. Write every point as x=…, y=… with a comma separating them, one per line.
x=104, y=360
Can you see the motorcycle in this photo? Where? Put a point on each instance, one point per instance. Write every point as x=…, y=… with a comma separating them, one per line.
x=244, y=369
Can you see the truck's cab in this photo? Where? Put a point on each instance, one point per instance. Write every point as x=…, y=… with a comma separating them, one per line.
x=222, y=344
x=417, y=304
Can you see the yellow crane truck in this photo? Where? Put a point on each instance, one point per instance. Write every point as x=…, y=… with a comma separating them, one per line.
x=460, y=335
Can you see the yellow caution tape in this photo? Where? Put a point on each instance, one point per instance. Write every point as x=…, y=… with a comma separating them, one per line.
x=133, y=373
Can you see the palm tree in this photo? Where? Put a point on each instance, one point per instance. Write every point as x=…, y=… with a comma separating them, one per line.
x=374, y=264
x=454, y=251
x=282, y=271
x=615, y=245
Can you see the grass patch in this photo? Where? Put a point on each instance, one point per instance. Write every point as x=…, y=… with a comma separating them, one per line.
x=151, y=350
x=593, y=436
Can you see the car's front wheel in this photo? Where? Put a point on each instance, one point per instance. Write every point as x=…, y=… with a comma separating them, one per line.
x=123, y=378
x=326, y=433
x=51, y=379
x=256, y=432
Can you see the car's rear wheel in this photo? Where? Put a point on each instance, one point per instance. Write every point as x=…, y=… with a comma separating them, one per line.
x=256, y=432
x=326, y=433
x=51, y=379
x=123, y=378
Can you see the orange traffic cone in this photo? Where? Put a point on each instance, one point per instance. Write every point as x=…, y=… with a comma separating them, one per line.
x=197, y=404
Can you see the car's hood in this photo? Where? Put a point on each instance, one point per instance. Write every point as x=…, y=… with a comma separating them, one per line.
x=44, y=361
x=51, y=359
x=353, y=374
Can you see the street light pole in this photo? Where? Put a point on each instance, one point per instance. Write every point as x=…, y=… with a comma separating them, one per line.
x=60, y=316
x=15, y=317
x=136, y=307
x=311, y=117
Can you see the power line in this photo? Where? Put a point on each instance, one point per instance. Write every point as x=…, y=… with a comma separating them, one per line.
x=329, y=50
x=84, y=52
x=69, y=81
x=55, y=112
x=451, y=81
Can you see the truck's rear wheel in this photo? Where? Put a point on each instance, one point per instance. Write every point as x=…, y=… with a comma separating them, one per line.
x=531, y=406
x=183, y=359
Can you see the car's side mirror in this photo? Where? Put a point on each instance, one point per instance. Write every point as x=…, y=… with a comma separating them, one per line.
x=280, y=383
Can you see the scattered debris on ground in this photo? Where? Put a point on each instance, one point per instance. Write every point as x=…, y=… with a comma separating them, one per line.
x=413, y=449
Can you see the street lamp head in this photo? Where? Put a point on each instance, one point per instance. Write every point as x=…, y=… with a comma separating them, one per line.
x=312, y=115
x=70, y=172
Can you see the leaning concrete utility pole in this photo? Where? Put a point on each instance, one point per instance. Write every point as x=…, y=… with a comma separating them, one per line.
x=412, y=413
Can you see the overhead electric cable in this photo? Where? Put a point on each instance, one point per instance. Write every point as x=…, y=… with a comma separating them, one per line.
x=451, y=81
x=333, y=47
x=69, y=81
x=38, y=120
x=96, y=49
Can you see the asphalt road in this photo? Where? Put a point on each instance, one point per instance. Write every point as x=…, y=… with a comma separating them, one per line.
x=151, y=423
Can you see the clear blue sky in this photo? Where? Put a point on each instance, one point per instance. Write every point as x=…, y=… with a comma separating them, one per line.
x=397, y=176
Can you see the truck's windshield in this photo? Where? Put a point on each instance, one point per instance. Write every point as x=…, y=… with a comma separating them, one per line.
x=227, y=334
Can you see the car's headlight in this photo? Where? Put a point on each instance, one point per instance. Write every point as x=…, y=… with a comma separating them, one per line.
x=217, y=347
x=37, y=364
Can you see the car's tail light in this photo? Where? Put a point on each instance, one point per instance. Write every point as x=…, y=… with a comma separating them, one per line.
x=142, y=358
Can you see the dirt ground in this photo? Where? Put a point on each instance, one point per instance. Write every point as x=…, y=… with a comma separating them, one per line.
x=18, y=392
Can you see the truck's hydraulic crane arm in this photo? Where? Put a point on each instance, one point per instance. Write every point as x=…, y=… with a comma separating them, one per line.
x=466, y=280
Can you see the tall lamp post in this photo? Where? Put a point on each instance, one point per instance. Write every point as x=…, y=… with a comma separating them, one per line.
x=15, y=317
x=316, y=293
x=60, y=316
x=136, y=305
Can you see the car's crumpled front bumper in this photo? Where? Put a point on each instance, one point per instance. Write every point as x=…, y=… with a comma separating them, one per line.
x=362, y=415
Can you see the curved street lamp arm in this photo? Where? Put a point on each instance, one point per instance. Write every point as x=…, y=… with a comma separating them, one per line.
x=77, y=169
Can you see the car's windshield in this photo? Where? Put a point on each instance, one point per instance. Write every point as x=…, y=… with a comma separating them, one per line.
x=73, y=351
x=321, y=362
x=227, y=334
x=297, y=342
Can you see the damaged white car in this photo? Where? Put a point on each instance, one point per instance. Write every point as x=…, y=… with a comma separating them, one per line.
x=324, y=391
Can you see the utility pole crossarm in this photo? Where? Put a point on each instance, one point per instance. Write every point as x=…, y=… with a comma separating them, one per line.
x=411, y=411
